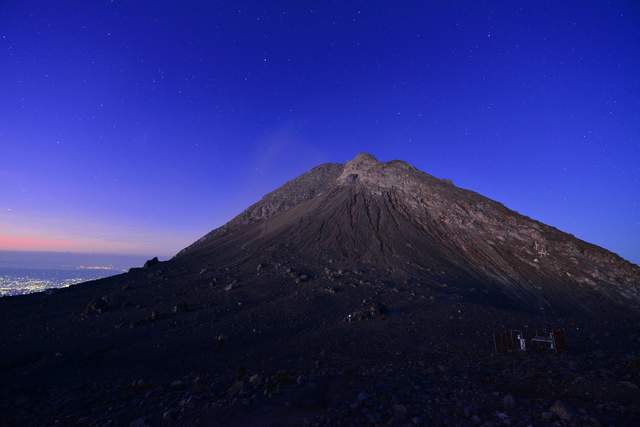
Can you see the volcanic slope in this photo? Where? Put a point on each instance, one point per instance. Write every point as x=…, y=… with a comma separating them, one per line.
x=401, y=223
x=359, y=294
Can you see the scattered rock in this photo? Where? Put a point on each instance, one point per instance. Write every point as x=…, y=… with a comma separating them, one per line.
x=236, y=388
x=562, y=410
x=98, y=306
x=369, y=312
x=170, y=414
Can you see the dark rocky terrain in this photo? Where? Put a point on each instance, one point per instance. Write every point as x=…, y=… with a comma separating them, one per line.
x=358, y=294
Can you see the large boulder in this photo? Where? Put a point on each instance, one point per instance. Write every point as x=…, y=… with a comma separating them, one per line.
x=152, y=262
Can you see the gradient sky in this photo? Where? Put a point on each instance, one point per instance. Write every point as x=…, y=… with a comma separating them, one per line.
x=137, y=126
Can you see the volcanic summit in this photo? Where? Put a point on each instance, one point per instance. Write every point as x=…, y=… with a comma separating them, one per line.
x=364, y=293
x=391, y=219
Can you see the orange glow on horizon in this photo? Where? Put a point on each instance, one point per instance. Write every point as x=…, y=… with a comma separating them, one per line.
x=12, y=242
x=34, y=243
x=30, y=243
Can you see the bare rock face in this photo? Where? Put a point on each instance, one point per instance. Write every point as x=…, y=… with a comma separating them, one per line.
x=389, y=216
x=367, y=170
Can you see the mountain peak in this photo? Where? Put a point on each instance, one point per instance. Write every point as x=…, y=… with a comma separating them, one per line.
x=364, y=157
x=358, y=169
x=367, y=170
x=360, y=163
x=368, y=212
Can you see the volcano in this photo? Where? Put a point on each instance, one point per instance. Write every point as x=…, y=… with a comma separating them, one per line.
x=364, y=293
x=405, y=225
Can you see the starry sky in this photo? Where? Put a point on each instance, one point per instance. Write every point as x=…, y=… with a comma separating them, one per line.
x=137, y=126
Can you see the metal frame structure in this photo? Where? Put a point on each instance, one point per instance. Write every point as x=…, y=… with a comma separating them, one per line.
x=516, y=340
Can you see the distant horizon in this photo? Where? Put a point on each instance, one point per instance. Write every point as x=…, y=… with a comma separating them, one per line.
x=52, y=260
x=36, y=251
x=23, y=272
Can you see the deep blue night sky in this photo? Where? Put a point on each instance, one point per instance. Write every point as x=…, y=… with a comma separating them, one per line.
x=137, y=126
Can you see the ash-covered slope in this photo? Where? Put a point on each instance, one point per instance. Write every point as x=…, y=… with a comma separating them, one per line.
x=356, y=295
x=392, y=219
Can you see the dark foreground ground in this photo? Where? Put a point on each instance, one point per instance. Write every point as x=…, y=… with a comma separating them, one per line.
x=162, y=346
